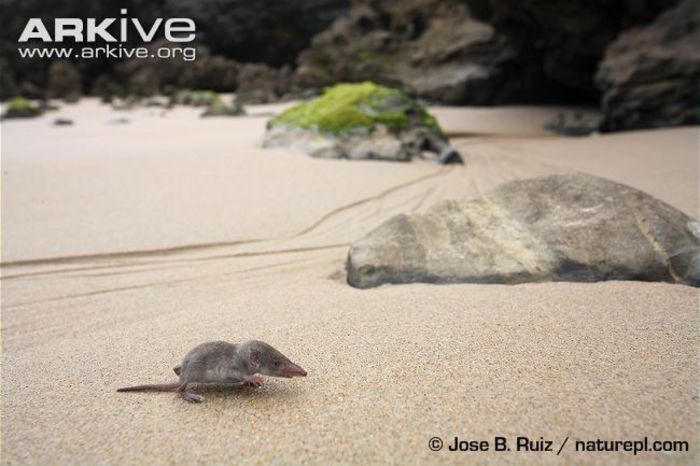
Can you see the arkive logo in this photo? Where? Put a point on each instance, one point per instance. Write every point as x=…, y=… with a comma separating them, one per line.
x=113, y=33
x=88, y=30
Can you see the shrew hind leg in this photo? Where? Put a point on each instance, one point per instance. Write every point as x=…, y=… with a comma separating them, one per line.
x=187, y=396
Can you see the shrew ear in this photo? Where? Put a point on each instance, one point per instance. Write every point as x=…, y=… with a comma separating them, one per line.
x=255, y=359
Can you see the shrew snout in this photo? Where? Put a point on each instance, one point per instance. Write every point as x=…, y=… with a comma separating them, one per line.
x=289, y=370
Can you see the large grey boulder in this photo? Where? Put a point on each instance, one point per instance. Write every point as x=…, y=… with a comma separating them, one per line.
x=571, y=227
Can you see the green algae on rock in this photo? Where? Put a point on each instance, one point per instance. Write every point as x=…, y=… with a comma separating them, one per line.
x=19, y=107
x=360, y=121
x=346, y=107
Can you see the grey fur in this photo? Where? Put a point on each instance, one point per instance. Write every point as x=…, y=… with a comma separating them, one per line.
x=220, y=362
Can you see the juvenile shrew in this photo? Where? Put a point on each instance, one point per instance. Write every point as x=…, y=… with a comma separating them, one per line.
x=220, y=362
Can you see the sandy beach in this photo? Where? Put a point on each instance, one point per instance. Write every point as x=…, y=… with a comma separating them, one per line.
x=126, y=244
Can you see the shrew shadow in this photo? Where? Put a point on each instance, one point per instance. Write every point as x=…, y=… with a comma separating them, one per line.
x=270, y=390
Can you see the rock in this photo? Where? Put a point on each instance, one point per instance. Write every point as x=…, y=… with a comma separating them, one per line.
x=48, y=106
x=253, y=82
x=200, y=98
x=479, y=52
x=118, y=121
x=574, y=123
x=449, y=156
x=250, y=31
x=213, y=103
x=124, y=104
x=433, y=49
x=106, y=88
x=206, y=72
x=31, y=91
x=64, y=81
x=260, y=84
x=221, y=108
x=158, y=101
x=143, y=82
x=151, y=76
x=567, y=39
x=571, y=227
x=19, y=107
x=233, y=30
x=650, y=76
x=8, y=85
x=358, y=121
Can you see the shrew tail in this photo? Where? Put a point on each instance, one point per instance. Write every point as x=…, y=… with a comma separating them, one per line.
x=163, y=387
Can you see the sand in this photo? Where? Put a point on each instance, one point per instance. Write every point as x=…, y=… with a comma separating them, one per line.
x=124, y=245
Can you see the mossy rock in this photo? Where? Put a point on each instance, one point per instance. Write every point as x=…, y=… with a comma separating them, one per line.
x=19, y=107
x=349, y=107
x=360, y=121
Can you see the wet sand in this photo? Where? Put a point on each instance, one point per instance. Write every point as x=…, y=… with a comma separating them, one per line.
x=124, y=245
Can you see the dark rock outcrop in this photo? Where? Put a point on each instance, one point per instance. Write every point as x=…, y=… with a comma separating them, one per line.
x=107, y=88
x=64, y=81
x=259, y=83
x=476, y=52
x=271, y=32
x=650, y=76
x=8, y=86
x=569, y=38
x=559, y=228
x=433, y=49
x=253, y=82
x=479, y=52
x=146, y=77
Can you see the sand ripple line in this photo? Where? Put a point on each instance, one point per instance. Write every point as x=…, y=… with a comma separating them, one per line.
x=170, y=282
x=126, y=254
x=441, y=172
x=196, y=247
